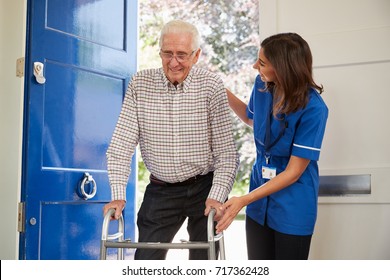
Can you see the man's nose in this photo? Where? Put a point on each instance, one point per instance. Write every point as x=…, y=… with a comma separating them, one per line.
x=173, y=61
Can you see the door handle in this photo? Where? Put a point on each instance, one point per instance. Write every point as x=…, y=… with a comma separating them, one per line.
x=87, y=180
x=38, y=72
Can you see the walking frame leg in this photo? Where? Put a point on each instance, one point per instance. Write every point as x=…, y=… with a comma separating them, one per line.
x=107, y=237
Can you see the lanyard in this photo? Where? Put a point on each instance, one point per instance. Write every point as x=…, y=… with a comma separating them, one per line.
x=268, y=144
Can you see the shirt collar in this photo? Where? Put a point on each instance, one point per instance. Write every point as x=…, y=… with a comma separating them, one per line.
x=185, y=84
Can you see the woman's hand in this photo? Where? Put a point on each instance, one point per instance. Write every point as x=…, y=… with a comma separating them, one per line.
x=230, y=209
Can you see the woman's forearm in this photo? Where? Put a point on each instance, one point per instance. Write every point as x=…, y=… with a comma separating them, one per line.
x=238, y=107
x=290, y=175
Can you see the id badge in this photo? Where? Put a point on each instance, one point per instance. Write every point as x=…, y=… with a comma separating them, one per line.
x=268, y=172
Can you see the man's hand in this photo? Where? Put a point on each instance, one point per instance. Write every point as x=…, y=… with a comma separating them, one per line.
x=118, y=205
x=212, y=203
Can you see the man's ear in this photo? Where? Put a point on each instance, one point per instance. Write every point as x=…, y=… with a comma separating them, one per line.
x=197, y=55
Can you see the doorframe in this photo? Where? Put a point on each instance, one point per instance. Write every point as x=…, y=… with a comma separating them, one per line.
x=13, y=21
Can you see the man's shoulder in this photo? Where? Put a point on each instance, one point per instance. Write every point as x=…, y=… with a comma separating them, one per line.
x=205, y=74
x=148, y=73
x=204, y=71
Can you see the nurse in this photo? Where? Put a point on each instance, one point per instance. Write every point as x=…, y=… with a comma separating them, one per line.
x=288, y=117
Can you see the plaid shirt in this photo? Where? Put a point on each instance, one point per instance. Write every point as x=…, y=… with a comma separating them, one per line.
x=182, y=131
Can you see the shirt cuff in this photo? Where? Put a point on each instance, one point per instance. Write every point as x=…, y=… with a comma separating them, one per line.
x=118, y=193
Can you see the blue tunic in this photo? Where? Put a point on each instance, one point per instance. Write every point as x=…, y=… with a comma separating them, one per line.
x=292, y=210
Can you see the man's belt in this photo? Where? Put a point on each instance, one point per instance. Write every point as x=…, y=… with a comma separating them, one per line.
x=189, y=181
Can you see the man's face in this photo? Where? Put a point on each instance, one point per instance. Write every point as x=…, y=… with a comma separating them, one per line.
x=177, y=56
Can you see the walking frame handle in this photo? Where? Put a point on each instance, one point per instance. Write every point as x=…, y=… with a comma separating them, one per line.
x=116, y=240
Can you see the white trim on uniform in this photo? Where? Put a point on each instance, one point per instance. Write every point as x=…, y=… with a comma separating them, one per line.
x=306, y=147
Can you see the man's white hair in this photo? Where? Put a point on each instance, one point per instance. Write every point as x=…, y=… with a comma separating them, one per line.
x=179, y=26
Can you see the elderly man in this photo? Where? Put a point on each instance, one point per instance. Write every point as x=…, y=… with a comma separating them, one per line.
x=179, y=116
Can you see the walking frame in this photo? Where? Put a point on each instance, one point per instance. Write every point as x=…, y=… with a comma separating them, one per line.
x=117, y=240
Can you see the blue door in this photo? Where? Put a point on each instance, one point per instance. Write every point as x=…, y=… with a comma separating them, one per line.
x=83, y=53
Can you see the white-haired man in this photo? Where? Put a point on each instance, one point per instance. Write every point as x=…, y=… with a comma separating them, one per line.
x=179, y=116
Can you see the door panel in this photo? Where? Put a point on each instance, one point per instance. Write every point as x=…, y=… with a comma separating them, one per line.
x=81, y=107
x=101, y=22
x=65, y=236
x=88, y=49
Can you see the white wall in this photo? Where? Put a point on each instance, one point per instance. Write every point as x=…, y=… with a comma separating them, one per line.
x=12, y=41
x=350, y=41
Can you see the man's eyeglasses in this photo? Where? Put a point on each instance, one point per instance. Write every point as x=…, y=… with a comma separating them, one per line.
x=181, y=57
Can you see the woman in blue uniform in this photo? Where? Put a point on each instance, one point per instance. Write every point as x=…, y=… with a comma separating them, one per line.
x=288, y=117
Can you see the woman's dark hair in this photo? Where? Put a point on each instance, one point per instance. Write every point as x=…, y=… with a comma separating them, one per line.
x=292, y=61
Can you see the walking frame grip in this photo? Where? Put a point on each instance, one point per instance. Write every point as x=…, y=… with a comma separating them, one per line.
x=117, y=240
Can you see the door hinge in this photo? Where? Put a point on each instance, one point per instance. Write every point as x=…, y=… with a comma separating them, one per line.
x=21, y=216
x=20, y=67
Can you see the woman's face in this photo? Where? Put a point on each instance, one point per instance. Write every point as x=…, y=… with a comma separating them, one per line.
x=265, y=68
